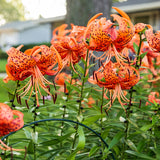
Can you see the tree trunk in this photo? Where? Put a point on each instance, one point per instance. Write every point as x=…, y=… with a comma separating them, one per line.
x=80, y=11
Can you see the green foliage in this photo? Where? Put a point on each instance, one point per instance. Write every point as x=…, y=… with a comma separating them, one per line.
x=3, y=63
x=29, y=46
x=3, y=55
x=12, y=7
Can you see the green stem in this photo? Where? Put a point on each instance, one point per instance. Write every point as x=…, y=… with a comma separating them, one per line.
x=34, y=126
x=138, y=54
x=83, y=81
x=81, y=98
x=14, y=95
x=64, y=111
x=128, y=110
x=101, y=120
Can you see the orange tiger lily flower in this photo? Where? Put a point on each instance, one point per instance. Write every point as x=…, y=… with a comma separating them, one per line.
x=60, y=81
x=35, y=62
x=139, y=27
x=103, y=34
x=116, y=78
x=90, y=102
x=153, y=39
x=46, y=58
x=153, y=98
x=70, y=47
x=60, y=32
x=9, y=124
x=61, y=78
x=70, y=50
x=19, y=65
x=77, y=32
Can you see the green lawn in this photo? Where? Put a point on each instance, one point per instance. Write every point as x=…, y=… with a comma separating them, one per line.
x=3, y=63
x=3, y=91
x=5, y=88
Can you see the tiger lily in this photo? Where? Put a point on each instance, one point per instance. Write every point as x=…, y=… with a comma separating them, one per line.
x=19, y=65
x=70, y=47
x=115, y=78
x=36, y=63
x=153, y=39
x=104, y=36
x=9, y=124
x=63, y=77
x=60, y=32
x=153, y=98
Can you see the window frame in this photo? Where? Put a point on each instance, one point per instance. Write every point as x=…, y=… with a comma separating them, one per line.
x=151, y=14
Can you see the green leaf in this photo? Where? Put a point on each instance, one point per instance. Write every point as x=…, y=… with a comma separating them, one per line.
x=27, y=133
x=92, y=119
x=143, y=55
x=80, y=69
x=81, y=144
x=141, y=145
x=30, y=148
x=131, y=144
x=115, y=140
x=135, y=46
x=155, y=118
x=91, y=65
x=76, y=88
x=56, y=140
x=137, y=154
x=146, y=127
x=83, y=61
x=93, y=150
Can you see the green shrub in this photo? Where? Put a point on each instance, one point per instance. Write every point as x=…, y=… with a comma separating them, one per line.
x=31, y=45
x=3, y=54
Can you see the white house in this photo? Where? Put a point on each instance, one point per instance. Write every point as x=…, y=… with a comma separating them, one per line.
x=145, y=11
x=26, y=32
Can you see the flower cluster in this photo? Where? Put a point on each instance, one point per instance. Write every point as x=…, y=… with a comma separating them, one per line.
x=9, y=124
x=115, y=40
x=33, y=63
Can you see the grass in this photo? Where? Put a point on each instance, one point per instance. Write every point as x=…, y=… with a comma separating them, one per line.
x=3, y=92
x=3, y=63
x=4, y=88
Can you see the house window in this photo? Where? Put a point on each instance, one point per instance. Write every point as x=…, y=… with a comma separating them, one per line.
x=147, y=18
x=142, y=19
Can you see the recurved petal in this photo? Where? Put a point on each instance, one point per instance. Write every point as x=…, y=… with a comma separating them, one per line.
x=153, y=39
x=6, y=114
x=18, y=122
x=125, y=31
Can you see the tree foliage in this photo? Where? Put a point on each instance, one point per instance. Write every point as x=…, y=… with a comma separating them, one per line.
x=11, y=10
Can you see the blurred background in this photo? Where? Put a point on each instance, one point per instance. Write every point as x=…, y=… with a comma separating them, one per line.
x=31, y=22
x=27, y=21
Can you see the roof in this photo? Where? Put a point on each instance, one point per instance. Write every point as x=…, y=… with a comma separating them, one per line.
x=22, y=25
x=130, y=6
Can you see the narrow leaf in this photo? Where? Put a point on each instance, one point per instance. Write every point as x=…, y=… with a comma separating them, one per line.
x=137, y=154
x=81, y=144
x=135, y=46
x=115, y=140
x=143, y=55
